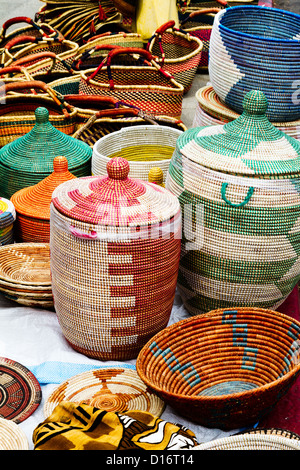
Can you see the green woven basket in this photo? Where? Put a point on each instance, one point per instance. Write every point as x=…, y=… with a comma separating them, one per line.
x=239, y=189
x=29, y=159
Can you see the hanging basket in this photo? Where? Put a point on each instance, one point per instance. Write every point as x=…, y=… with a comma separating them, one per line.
x=177, y=52
x=225, y=369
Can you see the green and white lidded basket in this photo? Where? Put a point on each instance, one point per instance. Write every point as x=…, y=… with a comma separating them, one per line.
x=239, y=190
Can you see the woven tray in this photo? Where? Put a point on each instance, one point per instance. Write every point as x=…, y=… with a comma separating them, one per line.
x=110, y=389
x=12, y=437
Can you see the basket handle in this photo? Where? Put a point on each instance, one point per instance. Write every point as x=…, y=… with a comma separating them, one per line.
x=88, y=100
x=87, y=54
x=241, y=204
x=15, y=69
x=40, y=56
x=204, y=11
x=165, y=26
x=33, y=84
x=149, y=60
x=26, y=38
x=24, y=19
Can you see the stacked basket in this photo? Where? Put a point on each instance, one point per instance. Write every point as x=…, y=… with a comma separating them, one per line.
x=25, y=274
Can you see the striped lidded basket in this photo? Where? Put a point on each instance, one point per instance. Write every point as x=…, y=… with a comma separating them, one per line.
x=238, y=185
x=115, y=247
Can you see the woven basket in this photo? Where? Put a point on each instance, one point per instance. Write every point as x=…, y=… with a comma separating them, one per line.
x=78, y=21
x=32, y=205
x=177, y=52
x=29, y=159
x=199, y=23
x=7, y=220
x=244, y=56
x=110, y=389
x=25, y=274
x=143, y=146
x=17, y=116
x=31, y=28
x=237, y=186
x=62, y=48
x=114, y=261
x=225, y=369
x=210, y=110
x=91, y=53
x=12, y=437
x=110, y=121
x=250, y=442
x=147, y=86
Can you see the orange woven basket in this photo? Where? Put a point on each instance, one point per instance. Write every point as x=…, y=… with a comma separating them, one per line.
x=32, y=205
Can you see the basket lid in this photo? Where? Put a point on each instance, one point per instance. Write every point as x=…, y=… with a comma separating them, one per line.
x=249, y=145
x=35, y=201
x=115, y=199
x=34, y=152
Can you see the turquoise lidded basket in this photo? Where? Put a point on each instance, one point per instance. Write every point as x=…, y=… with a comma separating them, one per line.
x=239, y=189
x=29, y=159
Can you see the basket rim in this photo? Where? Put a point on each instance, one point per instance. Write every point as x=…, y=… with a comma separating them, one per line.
x=259, y=8
x=215, y=398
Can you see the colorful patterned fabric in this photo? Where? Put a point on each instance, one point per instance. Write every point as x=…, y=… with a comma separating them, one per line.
x=241, y=182
x=83, y=427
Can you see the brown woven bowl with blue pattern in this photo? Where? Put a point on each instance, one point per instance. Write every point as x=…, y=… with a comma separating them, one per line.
x=224, y=369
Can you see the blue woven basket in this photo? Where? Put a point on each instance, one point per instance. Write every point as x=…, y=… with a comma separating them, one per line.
x=254, y=47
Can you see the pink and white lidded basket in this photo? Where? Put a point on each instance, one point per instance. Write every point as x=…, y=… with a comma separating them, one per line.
x=115, y=248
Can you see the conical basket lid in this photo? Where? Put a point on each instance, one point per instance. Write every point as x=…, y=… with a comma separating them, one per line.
x=250, y=145
x=35, y=201
x=115, y=199
x=35, y=151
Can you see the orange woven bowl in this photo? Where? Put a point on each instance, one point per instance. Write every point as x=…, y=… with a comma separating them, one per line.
x=225, y=369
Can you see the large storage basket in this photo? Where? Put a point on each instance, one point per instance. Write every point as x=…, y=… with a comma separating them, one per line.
x=238, y=188
x=225, y=369
x=114, y=261
x=177, y=52
x=144, y=147
x=244, y=56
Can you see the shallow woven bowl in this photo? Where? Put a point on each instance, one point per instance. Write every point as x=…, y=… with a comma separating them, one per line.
x=224, y=369
x=12, y=437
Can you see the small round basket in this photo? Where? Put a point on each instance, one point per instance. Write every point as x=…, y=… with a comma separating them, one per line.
x=225, y=369
x=143, y=147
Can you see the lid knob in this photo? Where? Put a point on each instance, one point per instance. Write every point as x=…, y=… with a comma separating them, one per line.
x=41, y=115
x=156, y=175
x=118, y=168
x=60, y=164
x=255, y=102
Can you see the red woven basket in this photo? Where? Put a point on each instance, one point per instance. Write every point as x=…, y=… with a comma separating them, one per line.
x=225, y=369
